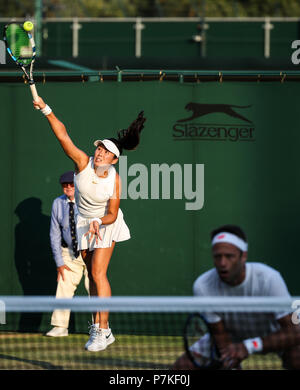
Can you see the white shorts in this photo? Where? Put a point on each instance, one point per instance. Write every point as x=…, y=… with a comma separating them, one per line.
x=117, y=231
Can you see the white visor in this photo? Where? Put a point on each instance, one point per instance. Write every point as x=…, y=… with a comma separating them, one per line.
x=230, y=239
x=109, y=146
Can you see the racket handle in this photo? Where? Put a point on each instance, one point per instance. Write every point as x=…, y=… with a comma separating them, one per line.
x=34, y=94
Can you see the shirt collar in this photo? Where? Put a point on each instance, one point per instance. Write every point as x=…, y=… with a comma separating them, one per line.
x=69, y=201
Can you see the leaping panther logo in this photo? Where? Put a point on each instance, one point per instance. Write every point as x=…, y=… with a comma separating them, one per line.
x=201, y=109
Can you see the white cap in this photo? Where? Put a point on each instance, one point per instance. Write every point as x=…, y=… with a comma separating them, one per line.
x=111, y=146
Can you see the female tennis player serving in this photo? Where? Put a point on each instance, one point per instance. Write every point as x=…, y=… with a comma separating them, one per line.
x=100, y=222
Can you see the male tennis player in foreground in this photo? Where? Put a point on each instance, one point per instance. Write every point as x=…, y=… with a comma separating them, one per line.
x=100, y=222
x=235, y=335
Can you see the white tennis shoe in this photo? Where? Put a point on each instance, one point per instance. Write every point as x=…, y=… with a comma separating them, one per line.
x=99, y=339
x=92, y=333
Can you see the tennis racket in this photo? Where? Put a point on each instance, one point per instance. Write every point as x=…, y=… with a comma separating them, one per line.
x=195, y=328
x=21, y=48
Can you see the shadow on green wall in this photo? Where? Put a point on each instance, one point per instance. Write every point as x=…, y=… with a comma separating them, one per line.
x=33, y=257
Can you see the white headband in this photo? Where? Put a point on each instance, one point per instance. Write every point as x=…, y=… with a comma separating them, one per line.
x=109, y=146
x=231, y=239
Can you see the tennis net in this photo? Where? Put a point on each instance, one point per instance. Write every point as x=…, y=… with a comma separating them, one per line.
x=148, y=331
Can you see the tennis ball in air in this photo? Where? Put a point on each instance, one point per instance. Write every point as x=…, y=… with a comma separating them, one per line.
x=28, y=26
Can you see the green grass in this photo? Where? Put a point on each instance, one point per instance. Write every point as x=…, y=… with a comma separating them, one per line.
x=35, y=351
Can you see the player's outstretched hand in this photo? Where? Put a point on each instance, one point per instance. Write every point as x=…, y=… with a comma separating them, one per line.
x=39, y=103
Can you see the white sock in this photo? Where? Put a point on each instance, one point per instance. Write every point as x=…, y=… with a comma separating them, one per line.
x=97, y=325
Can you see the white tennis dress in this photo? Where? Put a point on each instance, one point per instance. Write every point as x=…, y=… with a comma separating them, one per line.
x=92, y=194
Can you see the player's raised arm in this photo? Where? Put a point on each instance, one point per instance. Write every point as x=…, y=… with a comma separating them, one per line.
x=78, y=156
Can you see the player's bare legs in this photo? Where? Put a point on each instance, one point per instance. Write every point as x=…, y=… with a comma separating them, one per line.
x=97, y=263
x=100, y=262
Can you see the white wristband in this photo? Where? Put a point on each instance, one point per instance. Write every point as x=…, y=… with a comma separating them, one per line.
x=97, y=220
x=253, y=345
x=46, y=110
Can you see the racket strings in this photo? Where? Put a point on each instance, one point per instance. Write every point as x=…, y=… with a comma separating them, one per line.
x=19, y=43
x=203, y=355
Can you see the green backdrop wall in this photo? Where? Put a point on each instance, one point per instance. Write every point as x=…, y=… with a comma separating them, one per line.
x=167, y=39
x=251, y=181
x=168, y=42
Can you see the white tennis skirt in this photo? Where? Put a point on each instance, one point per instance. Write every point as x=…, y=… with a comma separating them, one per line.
x=117, y=231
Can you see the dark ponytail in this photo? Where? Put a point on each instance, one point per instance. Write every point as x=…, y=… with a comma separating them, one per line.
x=130, y=138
